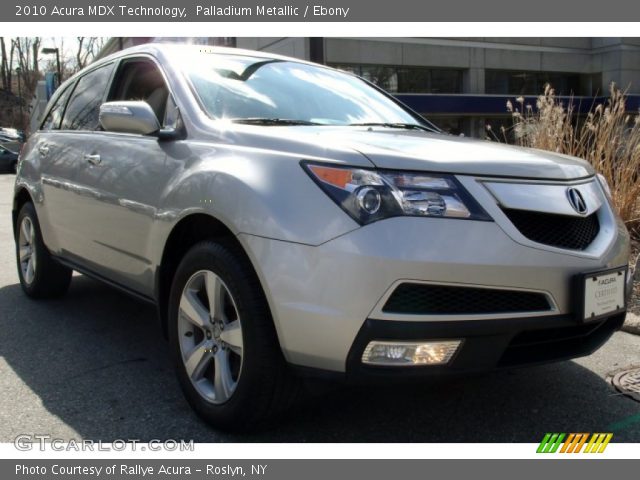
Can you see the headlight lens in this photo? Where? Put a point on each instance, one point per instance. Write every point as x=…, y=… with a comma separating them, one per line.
x=371, y=195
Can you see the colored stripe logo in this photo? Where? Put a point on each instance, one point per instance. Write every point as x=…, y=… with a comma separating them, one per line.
x=574, y=442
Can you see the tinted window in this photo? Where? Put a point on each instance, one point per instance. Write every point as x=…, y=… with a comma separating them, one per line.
x=532, y=83
x=84, y=106
x=141, y=80
x=52, y=122
x=446, y=81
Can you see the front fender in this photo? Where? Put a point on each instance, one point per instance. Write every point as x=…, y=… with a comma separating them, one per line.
x=255, y=192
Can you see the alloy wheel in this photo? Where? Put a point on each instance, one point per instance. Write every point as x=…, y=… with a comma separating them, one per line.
x=26, y=250
x=210, y=336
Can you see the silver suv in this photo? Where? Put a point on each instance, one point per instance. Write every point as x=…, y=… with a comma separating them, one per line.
x=287, y=218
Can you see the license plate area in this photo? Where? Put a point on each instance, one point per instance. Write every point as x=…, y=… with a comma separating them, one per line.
x=601, y=294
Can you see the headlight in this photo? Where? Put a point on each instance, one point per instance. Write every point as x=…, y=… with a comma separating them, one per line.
x=371, y=195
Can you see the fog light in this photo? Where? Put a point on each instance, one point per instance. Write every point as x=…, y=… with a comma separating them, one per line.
x=410, y=353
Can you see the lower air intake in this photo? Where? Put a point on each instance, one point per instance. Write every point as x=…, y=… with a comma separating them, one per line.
x=423, y=299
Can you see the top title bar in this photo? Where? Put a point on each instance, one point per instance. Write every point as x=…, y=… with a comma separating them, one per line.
x=320, y=11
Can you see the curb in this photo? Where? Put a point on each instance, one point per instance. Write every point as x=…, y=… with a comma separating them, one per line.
x=632, y=324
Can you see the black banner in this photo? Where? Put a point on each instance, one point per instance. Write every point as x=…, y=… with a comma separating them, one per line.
x=319, y=11
x=314, y=469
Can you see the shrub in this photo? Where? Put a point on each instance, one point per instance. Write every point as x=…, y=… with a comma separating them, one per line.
x=608, y=138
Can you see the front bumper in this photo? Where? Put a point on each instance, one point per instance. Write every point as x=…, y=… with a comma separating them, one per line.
x=323, y=297
x=487, y=345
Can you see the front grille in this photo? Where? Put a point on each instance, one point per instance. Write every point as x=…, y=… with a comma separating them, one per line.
x=562, y=231
x=422, y=299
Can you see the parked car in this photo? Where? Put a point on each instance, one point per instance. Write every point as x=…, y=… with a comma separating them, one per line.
x=10, y=132
x=11, y=135
x=8, y=160
x=290, y=219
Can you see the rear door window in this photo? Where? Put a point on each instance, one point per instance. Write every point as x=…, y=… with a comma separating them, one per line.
x=84, y=107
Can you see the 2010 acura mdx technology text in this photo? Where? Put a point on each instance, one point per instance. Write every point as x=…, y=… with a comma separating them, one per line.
x=286, y=217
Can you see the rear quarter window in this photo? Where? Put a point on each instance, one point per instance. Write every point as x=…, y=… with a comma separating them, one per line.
x=54, y=117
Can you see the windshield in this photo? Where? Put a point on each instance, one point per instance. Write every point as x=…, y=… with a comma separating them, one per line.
x=242, y=87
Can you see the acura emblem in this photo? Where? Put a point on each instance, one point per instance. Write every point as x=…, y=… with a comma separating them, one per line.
x=577, y=200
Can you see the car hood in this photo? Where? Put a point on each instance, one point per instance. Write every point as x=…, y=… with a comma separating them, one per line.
x=414, y=150
x=391, y=148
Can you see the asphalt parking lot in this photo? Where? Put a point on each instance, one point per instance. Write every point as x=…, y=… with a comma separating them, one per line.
x=94, y=365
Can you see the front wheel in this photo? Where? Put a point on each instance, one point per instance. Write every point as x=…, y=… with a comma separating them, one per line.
x=223, y=340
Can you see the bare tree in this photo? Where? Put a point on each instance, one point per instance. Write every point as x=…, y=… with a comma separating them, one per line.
x=6, y=65
x=27, y=51
x=19, y=63
x=88, y=48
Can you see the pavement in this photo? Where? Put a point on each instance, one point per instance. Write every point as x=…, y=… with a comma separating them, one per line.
x=94, y=365
x=632, y=323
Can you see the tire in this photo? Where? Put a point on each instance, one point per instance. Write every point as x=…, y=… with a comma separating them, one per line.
x=244, y=383
x=40, y=275
x=262, y=387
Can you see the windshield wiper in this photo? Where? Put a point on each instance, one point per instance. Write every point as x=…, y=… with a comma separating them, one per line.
x=272, y=121
x=405, y=126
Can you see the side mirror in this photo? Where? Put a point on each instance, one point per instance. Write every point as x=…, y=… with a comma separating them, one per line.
x=129, y=117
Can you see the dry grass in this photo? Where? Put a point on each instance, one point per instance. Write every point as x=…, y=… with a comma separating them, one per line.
x=608, y=138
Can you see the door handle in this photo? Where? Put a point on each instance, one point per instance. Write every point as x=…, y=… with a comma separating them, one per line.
x=44, y=150
x=93, y=159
